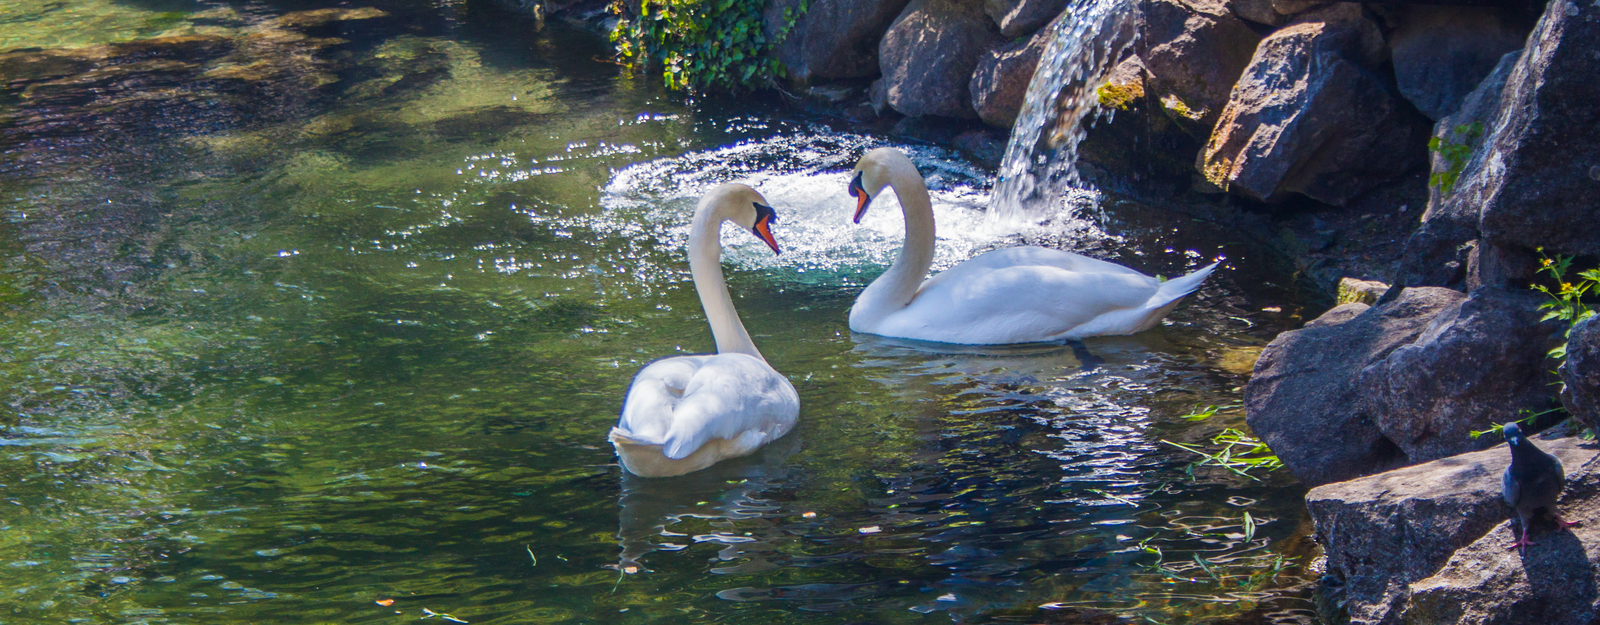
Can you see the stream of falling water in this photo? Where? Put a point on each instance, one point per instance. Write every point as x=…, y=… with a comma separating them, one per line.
x=1039, y=168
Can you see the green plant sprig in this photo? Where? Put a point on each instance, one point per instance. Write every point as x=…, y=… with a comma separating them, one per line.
x=1240, y=454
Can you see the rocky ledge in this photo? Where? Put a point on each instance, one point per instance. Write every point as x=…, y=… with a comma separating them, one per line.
x=1428, y=543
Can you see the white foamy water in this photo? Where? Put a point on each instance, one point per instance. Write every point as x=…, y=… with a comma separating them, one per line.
x=806, y=179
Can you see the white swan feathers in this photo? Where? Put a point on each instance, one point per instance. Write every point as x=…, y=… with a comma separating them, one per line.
x=1013, y=295
x=686, y=413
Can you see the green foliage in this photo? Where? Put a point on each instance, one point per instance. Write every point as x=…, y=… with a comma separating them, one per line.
x=1566, y=299
x=702, y=45
x=1455, y=154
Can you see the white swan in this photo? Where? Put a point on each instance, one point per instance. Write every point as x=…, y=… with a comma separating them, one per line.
x=686, y=413
x=1013, y=295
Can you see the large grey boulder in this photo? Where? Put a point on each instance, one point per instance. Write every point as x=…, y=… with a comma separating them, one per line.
x=1304, y=399
x=1581, y=373
x=1438, y=252
x=831, y=39
x=1481, y=361
x=1537, y=173
x=1311, y=116
x=1442, y=53
x=928, y=56
x=1000, y=83
x=1554, y=583
x=1018, y=18
x=1384, y=532
x=1195, y=50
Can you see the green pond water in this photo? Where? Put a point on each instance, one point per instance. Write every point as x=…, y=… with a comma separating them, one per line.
x=313, y=318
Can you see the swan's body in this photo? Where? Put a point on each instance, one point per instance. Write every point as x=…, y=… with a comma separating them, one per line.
x=1014, y=295
x=686, y=413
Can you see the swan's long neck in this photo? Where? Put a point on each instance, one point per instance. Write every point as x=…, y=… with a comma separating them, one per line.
x=896, y=287
x=705, y=264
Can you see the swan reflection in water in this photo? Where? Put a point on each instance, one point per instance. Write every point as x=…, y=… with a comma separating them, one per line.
x=911, y=363
x=728, y=491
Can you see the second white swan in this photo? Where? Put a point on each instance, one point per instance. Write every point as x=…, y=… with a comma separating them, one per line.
x=1013, y=295
x=687, y=413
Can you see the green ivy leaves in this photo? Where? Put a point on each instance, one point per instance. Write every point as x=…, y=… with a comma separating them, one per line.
x=702, y=45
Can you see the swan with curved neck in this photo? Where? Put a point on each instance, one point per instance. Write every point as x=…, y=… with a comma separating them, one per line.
x=686, y=413
x=1014, y=295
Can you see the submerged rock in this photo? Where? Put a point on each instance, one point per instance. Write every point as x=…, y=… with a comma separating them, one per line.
x=1304, y=400
x=831, y=38
x=1442, y=53
x=928, y=56
x=1311, y=116
x=1391, y=537
x=1581, y=373
x=1479, y=362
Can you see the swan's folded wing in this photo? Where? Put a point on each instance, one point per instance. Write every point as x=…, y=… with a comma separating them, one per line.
x=656, y=391
x=731, y=396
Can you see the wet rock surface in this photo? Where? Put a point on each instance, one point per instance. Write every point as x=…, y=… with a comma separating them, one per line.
x=1478, y=362
x=1418, y=541
x=928, y=56
x=1305, y=386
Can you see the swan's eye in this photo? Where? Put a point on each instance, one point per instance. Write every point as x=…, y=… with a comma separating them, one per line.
x=856, y=190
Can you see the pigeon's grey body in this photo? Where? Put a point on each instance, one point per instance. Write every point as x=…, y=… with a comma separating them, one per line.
x=1532, y=482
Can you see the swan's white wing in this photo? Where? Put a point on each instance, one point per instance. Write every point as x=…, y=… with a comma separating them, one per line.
x=1019, y=304
x=1033, y=256
x=1028, y=294
x=656, y=391
x=732, y=396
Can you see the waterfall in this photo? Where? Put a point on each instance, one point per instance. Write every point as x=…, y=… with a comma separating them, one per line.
x=1086, y=42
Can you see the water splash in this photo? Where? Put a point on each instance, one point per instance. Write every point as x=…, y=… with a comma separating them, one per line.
x=1086, y=42
x=805, y=176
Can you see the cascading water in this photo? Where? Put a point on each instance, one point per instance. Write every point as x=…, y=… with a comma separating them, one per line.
x=1087, y=40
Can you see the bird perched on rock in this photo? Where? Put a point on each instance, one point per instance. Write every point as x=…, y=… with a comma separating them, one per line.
x=1532, y=482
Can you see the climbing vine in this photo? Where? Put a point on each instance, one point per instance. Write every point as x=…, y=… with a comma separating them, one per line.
x=702, y=45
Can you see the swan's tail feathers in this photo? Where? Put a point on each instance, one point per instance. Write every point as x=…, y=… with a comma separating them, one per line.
x=1175, y=289
x=621, y=437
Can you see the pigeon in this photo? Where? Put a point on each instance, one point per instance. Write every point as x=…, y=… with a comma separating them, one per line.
x=1532, y=482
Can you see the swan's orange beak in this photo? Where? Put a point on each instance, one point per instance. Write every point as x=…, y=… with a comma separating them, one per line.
x=765, y=217
x=860, y=194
